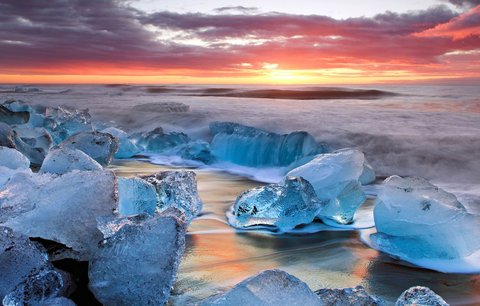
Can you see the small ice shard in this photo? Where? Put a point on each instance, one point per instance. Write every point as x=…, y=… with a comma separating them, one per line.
x=335, y=178
x=349, y=296
x=63, y=160
x=138, y=264
x=177, y=189
x=136, y=196
x=418, y=296
x=157, y=141
x=268, y=288
x=249, y=146
x=63, y=122
x=416, y=219
x=368, y=175
x=99, y=146
x=36, y=289
x=285, y=205
x=7, y=136
x=197, y=150
x=12, y=159
x=59, y=208
x=126, y=148
x=19, y=258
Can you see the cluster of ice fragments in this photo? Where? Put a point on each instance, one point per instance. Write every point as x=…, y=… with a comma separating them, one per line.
x=276, y=287
x=329, y=187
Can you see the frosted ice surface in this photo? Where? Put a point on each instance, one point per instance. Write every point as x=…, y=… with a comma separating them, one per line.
x=138, y=264
x=335, y=178
x=418, y=296
x=349, y=296
x=126, y=148
x=136, y=196
x=416, y=219
x=63, y=160
x=11, y=158
x=285, y=205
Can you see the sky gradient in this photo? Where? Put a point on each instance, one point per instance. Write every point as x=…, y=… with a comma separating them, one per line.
x=89, y=41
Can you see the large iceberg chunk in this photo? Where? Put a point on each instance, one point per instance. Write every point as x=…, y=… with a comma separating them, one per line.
x=268, y=288
x=9, y=117
x=416, y=219
x=335, y=178
x=349, y=296
x=59, y=208
x=126, y=148
x=63, y=122
x=249, y=146
x=177, y=189
x=63, y=160
x=138, y=264
x=420, y=296
x=99, y=146
x=12, y=159
x=158, y=141
x=136, y=196
x=285, y=205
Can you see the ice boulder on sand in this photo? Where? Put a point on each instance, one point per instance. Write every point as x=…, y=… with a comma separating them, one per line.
x=136, y=196
x=417, y=296
x=138, y=264
x=335, y=178
x=349, y=296
x=249, y=146
x=177, y=189
x=12, y=159
x=99, y=146
x=23, y=267
x=415, y=219
x=126, y=148
x=268, y=288
x=285, y=205
x=63, y=160
x=59, y=208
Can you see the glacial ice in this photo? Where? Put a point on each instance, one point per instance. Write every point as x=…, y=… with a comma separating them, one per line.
x=7, y=136
x=368, y=174
x=59, y=208
x=268, y=288
x=99, y=146
x=126, y=148
x=349, y=296
x=177, y=189
x=249, y=146
x=35, y=137
x=157, y=141
x=63, y=160
x=9, y=117
x=285, y=205
x=35, y=155
x=335, y=178
x=138, y=264
x=12, y=159
x=109, y=225
x=197, y=150
x=57, y=301
x=420, y=296
x=415, y=219
x=136, y=196
x=63, y=122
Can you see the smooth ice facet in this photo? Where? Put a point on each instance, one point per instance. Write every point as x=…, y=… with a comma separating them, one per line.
x=12, y=159
x=138, y=264
x=126, y=148
x=136, y=196
x=415, y=219
x=285, y=205
x=249, y=146
x=335, y=178
x=64, y=160
x=268, y=288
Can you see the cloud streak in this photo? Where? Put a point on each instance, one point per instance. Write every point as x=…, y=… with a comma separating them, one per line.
x=109, y=37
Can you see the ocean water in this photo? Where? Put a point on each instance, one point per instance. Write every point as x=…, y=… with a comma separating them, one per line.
x=428, y=131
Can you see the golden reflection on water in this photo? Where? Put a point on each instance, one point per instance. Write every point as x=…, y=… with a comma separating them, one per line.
x=217, y=257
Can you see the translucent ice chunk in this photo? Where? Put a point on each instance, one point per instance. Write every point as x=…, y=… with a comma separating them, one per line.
x=7, y=136
x=63, y=160
x=177, y=189
x=99, y=146
x=13, y=159
x=138, y=264
x=249, y=146
x=349, y=296
x=368, y=174
x=416, y=219
x=420, y=296
x=126, y=148
x=197, y=150
x=136, y=196
x=285, y=205
x=268, y=288
x=59, y=208
x=157, y=141
x=63, y=122
x=335, y=178
x=35, y=137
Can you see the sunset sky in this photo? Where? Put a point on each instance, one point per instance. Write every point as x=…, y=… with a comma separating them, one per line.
x=221, y=41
